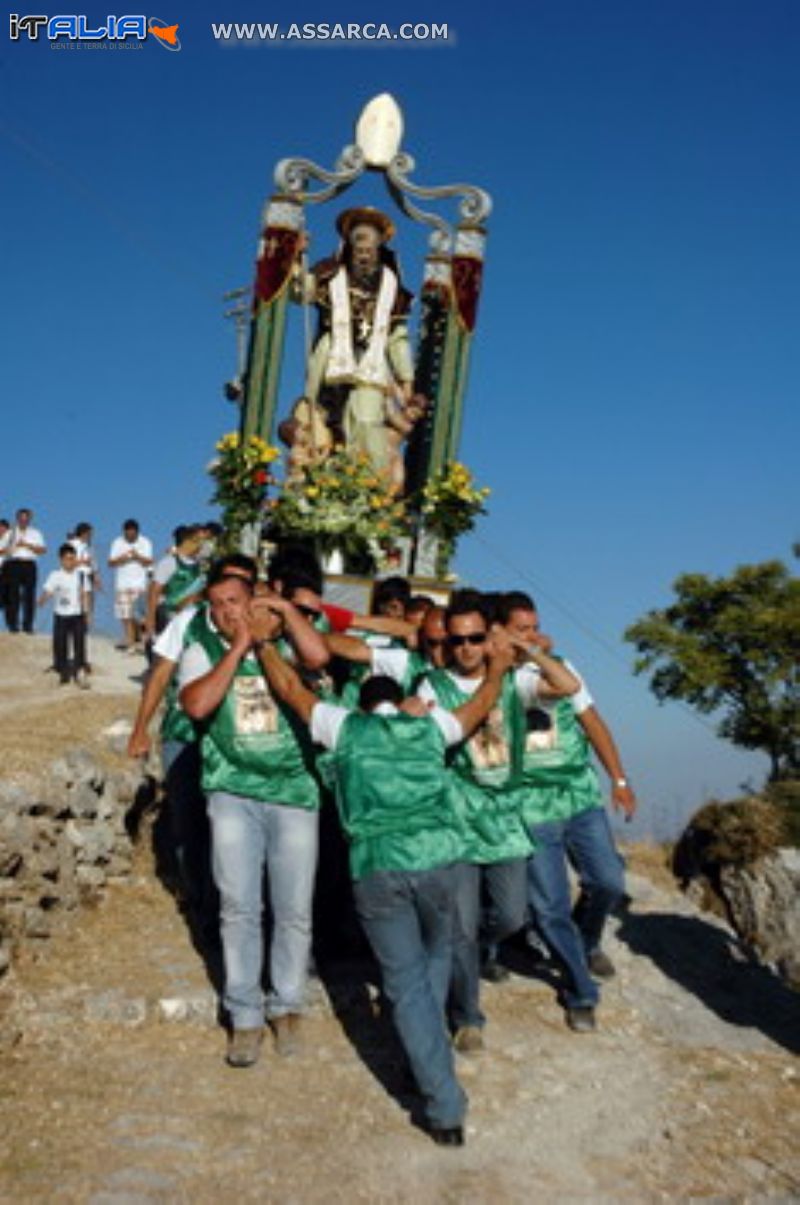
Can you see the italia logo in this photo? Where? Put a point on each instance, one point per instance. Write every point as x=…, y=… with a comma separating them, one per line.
x=77, y=28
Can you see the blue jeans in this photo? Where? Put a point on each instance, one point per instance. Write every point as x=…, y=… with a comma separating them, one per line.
x=408, y=919
x=188, y=821
x=586, y=841
x=504, y=883
x=246, y=835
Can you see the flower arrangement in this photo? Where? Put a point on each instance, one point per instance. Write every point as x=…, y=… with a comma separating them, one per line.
x=242, y=479
x=450, y=504
x=342, y=504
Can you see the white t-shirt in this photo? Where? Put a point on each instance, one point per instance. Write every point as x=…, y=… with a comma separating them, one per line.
x=66, y=591
x=169, y=643
x=327, y=720
x=5, y=540
x=31, y=535
x=393, y=663
x=131, y=575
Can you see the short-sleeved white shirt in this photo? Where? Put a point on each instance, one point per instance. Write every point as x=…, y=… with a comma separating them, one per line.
x=169, y=643
x=527, y=680
x=392, y=662
x=66, y=590
x=131, y=575
x=31, y=535
x=165, y=569
x=327, y=720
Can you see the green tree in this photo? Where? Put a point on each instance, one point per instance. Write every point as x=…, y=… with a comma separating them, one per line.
x=732, y=645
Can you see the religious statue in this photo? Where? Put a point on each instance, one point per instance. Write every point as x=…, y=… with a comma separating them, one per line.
x=360, y=370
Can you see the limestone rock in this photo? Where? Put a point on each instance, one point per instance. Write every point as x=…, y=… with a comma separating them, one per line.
x=764, y=905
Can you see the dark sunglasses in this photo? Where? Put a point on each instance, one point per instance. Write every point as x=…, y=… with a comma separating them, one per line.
x=455, y=642
x=307, y=612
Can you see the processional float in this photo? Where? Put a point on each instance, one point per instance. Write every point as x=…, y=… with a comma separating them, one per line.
x=429, y=406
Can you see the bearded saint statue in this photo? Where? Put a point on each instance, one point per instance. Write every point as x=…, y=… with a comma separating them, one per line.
x=360, y=370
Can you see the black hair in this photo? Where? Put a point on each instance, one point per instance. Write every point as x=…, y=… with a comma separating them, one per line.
x=513, y=600
x=183, y=531
x=130, y=523
x=213, y=528
x=417, y=601
x=379, y=689
x=297, y=579
x=491, y=603
x=64, y=549
x=390, y=589
x=220, y=570
x=300, y=558
x=467, y=602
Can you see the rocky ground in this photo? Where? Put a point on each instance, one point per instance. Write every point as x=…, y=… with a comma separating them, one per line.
x=114, y=1090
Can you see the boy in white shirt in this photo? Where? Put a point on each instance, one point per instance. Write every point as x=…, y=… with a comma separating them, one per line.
x=65, y=587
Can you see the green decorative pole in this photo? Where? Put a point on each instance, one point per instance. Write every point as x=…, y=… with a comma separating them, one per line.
x=450, y=292
x=277, y=251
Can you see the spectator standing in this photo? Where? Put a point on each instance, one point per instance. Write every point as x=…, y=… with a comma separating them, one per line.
x=88, y=568
x=131, y=556
x=64, y=586
x=25, y=545
x=5, y=539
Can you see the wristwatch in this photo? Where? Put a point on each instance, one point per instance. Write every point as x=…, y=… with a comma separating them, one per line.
x=621, y=782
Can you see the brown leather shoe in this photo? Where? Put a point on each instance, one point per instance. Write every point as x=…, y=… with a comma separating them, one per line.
x=288, y=1037
x=468, y=1039
x=244, y=1047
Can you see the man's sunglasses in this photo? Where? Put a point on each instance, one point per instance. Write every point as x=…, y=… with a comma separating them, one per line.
x=307, y=612
x=455, y=642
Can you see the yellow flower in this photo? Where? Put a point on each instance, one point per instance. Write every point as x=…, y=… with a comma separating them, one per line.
x=312, y=491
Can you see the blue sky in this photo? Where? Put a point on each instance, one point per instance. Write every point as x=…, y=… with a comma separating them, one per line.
x=634, y=386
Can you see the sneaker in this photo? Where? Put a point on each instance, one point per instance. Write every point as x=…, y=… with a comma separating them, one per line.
x=244, y=1047
x=288, y=1039
x=581, y=1020
x=82, y=679
x=447, y=1135
x=600, y=965
x=468, y=1039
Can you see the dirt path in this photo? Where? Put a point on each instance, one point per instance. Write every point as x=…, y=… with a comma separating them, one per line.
x=116, y=1093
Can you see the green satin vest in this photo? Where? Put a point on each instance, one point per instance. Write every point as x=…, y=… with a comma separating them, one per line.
x=393, y=794
x=488, y=796
x=185, y=581
x=252, y=745
x=560, y=779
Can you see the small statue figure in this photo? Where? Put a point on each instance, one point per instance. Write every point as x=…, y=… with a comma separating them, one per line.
x=307, y=436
